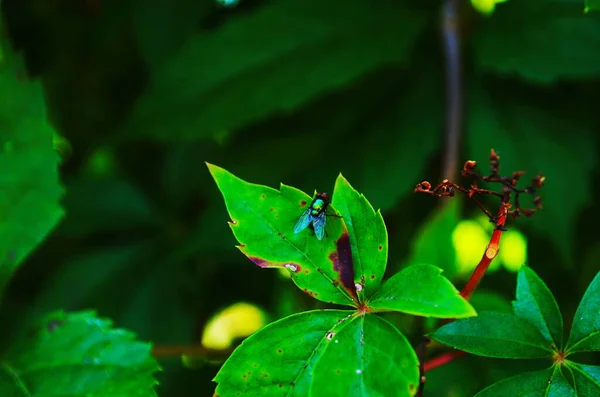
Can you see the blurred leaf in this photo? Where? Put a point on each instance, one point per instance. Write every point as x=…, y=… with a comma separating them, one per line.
x=96, y=205
x=509, y=42
x=75, y=284
x=493, y=334
x=433, y=244
x=421, y=290
x=586, y=378
x=243, y=71
x=592, y=5
x=536, y=304
x=78, y=354
x=559, y=386
x=532, y=384
x=235, y=321
x=163, y=27
x=263, y=222
x=534, y=139
x=330, y=352
x=585, y=331
x=490, y=301
x=368, y=237
x=29, y=181
x=367, y=354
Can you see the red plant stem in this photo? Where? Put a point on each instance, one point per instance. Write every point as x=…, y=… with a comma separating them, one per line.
x=490, y=253
x=442, y=359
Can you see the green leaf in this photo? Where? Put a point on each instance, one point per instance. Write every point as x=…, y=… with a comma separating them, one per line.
x=536, y=304
x=585, y=331
x=433, y=242
x=592, y=5
x=510, y=41
x=421, y=290
x=559, y=386
x=29, y=182
x=493, y=334
x=368, y=237
x=78, y=354
x=321, y=352
x=528, y=384
x=531, y=138
x=263, y=222
x=367, y=357
x=241, y=72
x=487, y=300
x=586, y=378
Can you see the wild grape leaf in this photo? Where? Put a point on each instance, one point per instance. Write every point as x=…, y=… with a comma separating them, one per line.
x=368, y=237
x=536, y=304
x=240, y=71
x=493, y=334
x=547, y=383
x=78, y=354
x=29, y=182
x=509, y=42
x=322, y=352
x=532, y=138
x=263, y=220
x=421, y=290
x=586, y=378
x=585, y=331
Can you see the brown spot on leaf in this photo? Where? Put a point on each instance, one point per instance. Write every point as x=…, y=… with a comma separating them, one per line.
x=342, y=263
x=263, y=196
x=280, y=386
x=380, y=247
x=292, y=384
x=411, y=387
x=372, y=277
x=279, y=351
x=271, y=209
x=260, y=262
x=338, y=371
x=303, y=203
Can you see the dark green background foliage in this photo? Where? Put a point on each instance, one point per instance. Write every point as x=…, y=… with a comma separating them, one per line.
x=293, y=91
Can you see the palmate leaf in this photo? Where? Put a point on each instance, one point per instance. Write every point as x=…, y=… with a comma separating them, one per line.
x=547, y=383
x=78, y=355
x=536, y=304
x=29, y=183
x=421, y=290
x=586, y=378
x=263, y=219
x=585, y=331
x=240, y=71
x=322, y=353
x=493, y=334
x=368, y=237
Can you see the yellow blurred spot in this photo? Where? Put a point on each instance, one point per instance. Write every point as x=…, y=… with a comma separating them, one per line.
x=236, y=321
x=513, y=253
x=284, y=273
x=470, y=241
x=486, y=7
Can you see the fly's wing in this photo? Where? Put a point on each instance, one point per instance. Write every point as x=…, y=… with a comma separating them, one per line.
x=319, y=223
x=303, y=221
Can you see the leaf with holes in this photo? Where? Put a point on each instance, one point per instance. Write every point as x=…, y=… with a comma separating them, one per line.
x=78, y=354
x=536, y=304
x=549, y=382
x=585, y=331
x=423, y=291
x=263, y=220
x=368, y=237
x=586, y=378
x=29, y=183
x=322, y=353
x=493, y=334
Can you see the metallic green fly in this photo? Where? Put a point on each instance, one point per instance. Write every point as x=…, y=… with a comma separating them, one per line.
x=315, y=216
